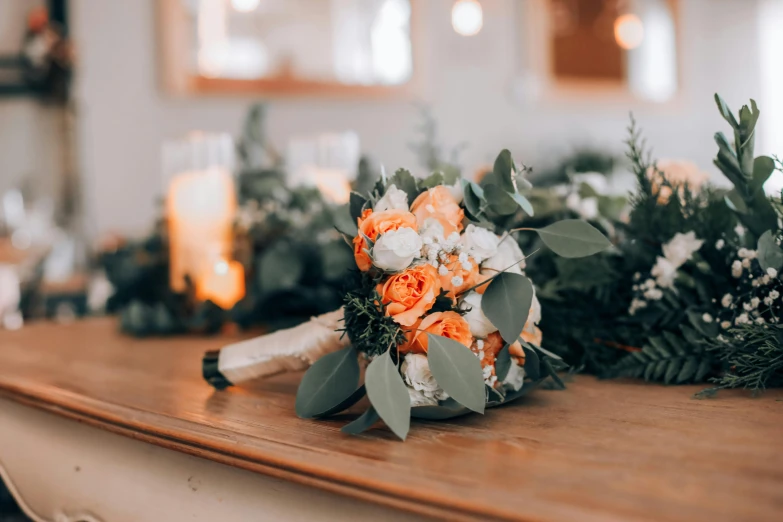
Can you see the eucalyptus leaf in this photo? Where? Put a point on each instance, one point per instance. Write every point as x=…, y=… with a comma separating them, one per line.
x=735, y=202
x=763, y=167
x=506, y=303
x=341, y=217
x=523, y=202
x=328, y=382
x=363, y=423
x=388, y=394
x=344, y=405
x=503, y=363
x=499, y=200
x=356, y=205
x=447, y=409
x=573, y=238
x=457, y=370
x=504, y=172
x=472, y=201
x=770, y=254
x=532, y=364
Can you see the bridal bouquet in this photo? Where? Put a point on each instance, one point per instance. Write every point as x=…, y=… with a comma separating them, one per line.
x=439, y=310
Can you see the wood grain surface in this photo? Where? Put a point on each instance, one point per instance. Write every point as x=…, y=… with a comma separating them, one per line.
x=601, y=450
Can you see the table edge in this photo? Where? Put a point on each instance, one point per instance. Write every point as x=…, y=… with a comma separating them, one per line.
x=67, y=405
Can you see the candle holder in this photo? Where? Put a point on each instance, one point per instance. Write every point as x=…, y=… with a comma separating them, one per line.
x=201, y=205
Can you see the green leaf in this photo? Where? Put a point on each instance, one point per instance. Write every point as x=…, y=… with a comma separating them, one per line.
x=363, y=423
x=704, y=369
x=341, y=217
x=523, y=202
x=356, y=205
x=688, y=370
x=388, y=394
x=573, y=238
x=709, y=330
x=552, y=373
x=457, y=370
x=503, y=363
x=355, y=397
x=504, y=171
x=506, y=303
x=770, y=254
x=433, y=180
x=279, y=268
x=726, y=112
x=447, y=409
x=671, y=371
x=404, y=180
x=763, y=167
x=451, y=174
x=499, y=201
x=736, y=202
x=473, y=196
x=328, y=382
x=532, y=364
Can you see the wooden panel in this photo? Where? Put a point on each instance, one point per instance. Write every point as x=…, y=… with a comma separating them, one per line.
x=598, y=451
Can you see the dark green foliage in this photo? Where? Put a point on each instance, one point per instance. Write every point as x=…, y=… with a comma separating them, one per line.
x=368, y=327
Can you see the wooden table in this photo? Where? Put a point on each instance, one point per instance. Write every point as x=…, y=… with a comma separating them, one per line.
x=152, y=441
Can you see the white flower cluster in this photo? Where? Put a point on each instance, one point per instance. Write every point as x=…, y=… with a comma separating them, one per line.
x=755, y=305
x=423, y=389
x=676, y=253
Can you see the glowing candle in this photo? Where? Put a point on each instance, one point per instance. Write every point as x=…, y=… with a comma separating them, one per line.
x=223, y=284
x=200, y=209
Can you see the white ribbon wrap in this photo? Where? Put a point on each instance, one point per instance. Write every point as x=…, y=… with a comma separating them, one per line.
x=287, y=350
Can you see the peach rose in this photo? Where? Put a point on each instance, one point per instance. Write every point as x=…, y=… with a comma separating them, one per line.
x=439, y=203
x=372, y=224
x=459, y=278
x=494, y=343
x=410, y=294
x=679, y=173
x=446, y=324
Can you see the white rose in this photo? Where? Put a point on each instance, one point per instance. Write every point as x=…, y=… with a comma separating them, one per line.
x=479, y=242
x=433, y=229
x=395, y=250
x=515, y=377
x=480, y=326
x=393, y=199
x=664, y=272
x=417, y=375
x=419, y=399
x=681, y=248
x=507, y=255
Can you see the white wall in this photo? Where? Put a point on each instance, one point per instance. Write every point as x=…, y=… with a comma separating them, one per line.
x=125, y=116
x=30, y=133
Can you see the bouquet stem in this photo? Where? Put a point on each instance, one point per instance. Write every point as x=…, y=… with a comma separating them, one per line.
x=288, y=350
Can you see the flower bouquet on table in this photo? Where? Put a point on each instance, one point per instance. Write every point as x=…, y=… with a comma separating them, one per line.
x=439, y=308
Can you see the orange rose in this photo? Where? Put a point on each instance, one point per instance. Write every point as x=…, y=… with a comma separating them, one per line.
x=457, y=272
x=372, y=224
x=492, y=346
x=494, y=343
x=410, y=294
x=446, y=324
x=438, y=203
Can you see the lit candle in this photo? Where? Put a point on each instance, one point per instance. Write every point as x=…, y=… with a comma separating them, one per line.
x=200, y=209
x=223, y=284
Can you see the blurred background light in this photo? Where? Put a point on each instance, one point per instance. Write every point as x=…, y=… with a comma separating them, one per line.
x=628, y=31
x=467, y=17
x=245, y=6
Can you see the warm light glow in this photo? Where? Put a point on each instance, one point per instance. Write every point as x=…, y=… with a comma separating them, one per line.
x=224, y=285
x=467, y=17
x=628, y=31
x=333, y=185
x=200, y=210
x=245, y=6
